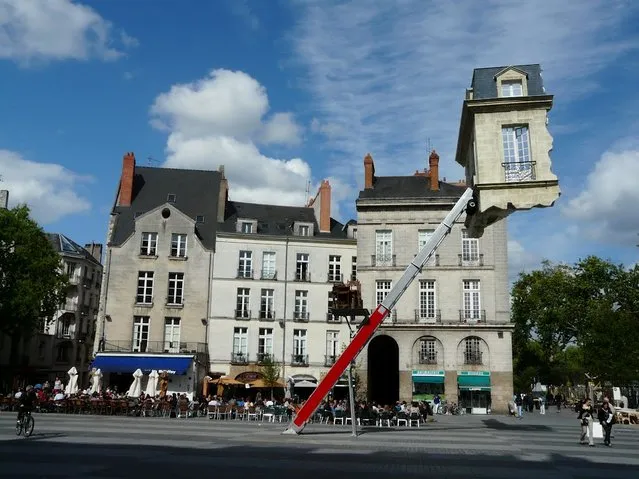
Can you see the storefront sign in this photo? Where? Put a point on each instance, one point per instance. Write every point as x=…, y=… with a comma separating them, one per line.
x=473, y=373
x=248, y=377
x=418, y=372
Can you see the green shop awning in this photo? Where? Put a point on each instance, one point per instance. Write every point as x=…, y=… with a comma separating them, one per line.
x=428, y=379
x=474, y=380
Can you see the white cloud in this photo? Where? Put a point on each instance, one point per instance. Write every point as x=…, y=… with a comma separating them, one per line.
x=391, y=75
x=48, y=189
x=606, y=208
x=221, y=119
x=40, y=30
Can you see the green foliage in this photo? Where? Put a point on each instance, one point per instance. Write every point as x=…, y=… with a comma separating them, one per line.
x=575, y=319
x=32, y=286
x=270, y=372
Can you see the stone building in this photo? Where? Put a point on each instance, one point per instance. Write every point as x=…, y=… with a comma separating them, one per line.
x=274, y=268
x=450, y=334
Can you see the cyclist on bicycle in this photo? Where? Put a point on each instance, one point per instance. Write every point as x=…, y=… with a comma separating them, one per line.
x=27, y=401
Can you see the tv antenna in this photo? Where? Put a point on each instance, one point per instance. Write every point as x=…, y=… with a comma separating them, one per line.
x=151, y=161
x=308, y=191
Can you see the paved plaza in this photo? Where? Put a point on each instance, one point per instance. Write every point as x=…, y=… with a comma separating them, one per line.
x=70, y=446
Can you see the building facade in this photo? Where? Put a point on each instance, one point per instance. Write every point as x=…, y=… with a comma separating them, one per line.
x=450, y=334
x=156, y=288
x=274, y=269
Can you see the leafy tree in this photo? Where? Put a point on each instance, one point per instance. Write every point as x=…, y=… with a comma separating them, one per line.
x=270, y=373
x=32, y=285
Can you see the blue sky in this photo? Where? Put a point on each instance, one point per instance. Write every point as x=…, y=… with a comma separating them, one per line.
x=282, y=92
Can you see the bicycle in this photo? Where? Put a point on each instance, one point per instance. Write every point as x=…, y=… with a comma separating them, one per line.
x=25, y=425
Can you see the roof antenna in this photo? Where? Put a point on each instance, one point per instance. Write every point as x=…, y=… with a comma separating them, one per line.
x=308, y=192
x=151, y=161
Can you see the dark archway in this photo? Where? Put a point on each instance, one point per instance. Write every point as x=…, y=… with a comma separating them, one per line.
x=383, y=370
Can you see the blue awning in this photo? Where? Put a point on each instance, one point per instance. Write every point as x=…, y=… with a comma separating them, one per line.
x=129, y=363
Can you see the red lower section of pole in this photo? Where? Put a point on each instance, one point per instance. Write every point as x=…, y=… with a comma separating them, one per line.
x=336, y=371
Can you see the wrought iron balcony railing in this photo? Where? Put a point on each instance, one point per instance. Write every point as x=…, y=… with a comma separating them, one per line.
x=299, y=360
x=472, y=315
x=428, y=315
x=243, y=314
x=382, y=260
x=470, y=260
x=515, y=172
x=142, y=346
x=267, y=315
x=300, y=316
x=239, y=358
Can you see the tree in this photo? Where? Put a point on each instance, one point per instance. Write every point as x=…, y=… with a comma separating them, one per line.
x=270, y=373
x=32, y=284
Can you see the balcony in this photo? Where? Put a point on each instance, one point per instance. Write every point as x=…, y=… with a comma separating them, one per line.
x=300, y=316
x=428, y=315
x=472, y=315
x=239, y=358
x=470, y=260
x=129, y=346
x=330, y=359
x=245, y=273
x=433, y=261
x=519, y=171
x=267, y=315
x=304, y=276
x=473, y=358
x=268, y=275
x=428, y=358
x=299, y=360
x=71, y=306
x=265, y=358
x=381, y=260
x=331, y=318
x=244, y=314
x=174, y=302
x=335, y=278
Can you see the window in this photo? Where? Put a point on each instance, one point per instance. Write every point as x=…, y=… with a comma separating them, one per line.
x=199, y=219
x=71, y=272
x=304, y=230
x=354, y=268
x=301, y=306
x=141, y=325
x=472, y=353
x=517, y=164
x=268, y=265
x=171, y=198
x=265, y=344
x=240, y=342
x=246, y=227
x=511, y=88
x=335, y=269
x=422, y=238
x=299, y=346
x=176, y=288
x=242, y=310
x=332, y=347
x=178, y=245
x=470, y=250
x=382, y=288
x=267, y=304
x=172, y=335
x=354, y=233
x=427, y=352
x=65, y=327
x=427, y=305
x=145, y=287
x=149, y=244
x=472, y=303
x=245, y=269
x=383, y=247
x=302, y=272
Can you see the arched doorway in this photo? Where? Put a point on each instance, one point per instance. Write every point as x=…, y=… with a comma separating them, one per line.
x=383, y=370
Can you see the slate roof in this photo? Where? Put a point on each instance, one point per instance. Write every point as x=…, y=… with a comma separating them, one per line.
x=197, y=194
x=276, y=220
x=415, y=187
x=484, y=85
x=66, y=246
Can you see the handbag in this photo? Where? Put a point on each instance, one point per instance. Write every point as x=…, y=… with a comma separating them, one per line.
x=597, y=430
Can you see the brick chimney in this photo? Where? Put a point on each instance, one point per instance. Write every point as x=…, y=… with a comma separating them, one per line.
x=95, y=249
x=4, y=199
x=325, y=207
x=223, y=197
x=433, y=163
x=369, y=171
x=126, y=180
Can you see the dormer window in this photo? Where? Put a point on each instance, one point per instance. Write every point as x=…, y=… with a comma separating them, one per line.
x=171, y=198
x=246, y=227
x=199, y=219
x=303, y=229
x=511, y=88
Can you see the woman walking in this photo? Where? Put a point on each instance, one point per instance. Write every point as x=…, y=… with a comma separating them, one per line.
x=586, y=418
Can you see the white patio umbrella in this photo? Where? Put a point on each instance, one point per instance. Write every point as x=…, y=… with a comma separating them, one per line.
x=305, y=384
x=96, y=381
x=152, y=385
x=136, y=386
x=72, y=387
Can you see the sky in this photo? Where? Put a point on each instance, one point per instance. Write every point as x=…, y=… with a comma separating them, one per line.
x=287, y=92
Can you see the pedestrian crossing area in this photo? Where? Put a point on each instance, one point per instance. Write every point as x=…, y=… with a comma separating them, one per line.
x=453, y=446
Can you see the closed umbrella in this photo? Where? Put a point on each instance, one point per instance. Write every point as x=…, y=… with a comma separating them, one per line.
x=96, y=381
x=72, y=387
x=152, y=385
x=136, y=386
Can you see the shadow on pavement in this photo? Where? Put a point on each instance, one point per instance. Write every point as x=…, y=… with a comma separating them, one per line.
x=501, y=426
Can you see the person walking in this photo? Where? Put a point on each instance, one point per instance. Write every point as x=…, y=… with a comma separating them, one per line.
x=519, y=403
x=606, y=415
x=586, y=420
x=542, y=405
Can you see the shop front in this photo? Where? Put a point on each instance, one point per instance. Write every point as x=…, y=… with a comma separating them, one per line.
x=426, y=384
x=474, y=391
